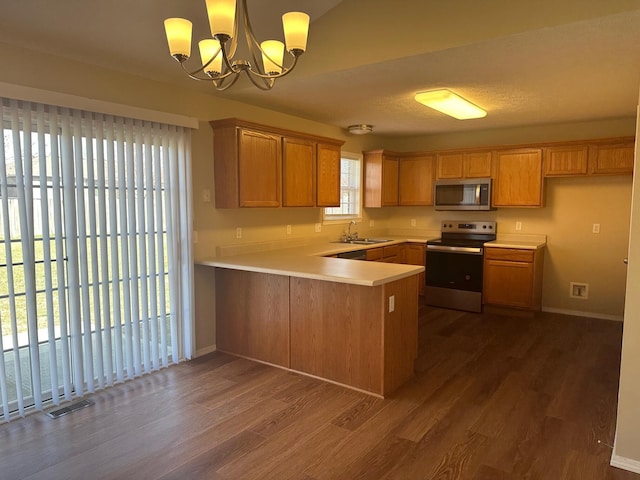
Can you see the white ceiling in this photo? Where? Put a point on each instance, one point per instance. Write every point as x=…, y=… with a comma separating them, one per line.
x=525, y=62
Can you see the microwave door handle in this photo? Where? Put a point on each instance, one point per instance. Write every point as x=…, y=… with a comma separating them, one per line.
x=478, y=194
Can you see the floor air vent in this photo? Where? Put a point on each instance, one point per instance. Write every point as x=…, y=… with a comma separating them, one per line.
x=70, y=408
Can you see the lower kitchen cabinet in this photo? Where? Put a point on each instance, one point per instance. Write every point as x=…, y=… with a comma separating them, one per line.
x=513, y=278
x=415, y=254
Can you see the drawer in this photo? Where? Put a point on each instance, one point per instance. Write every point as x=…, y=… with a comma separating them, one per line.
x=391, y=251
x=374, y=254
x=511, y=254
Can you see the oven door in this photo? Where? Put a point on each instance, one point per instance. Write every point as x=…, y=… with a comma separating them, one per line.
x=458, y=268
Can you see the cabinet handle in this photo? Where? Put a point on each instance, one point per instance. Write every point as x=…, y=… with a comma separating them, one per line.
x=626, y=261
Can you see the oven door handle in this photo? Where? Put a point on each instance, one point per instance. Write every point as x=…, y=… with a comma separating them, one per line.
x=450, y=249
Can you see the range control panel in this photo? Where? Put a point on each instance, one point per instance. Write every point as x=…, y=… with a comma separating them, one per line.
x=456, y=226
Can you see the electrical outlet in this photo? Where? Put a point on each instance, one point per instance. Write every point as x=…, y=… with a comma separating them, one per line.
x=518, y=226
x=413, y=222
x=371, y=223
x=288, y=229
x=596, y=228
x=206, y=195
x=318, y=227
x=238, y=232
x=392, y=303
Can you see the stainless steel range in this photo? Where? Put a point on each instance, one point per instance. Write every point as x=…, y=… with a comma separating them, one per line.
x=454, y=265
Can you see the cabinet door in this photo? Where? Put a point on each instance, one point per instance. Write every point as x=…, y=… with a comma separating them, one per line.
x=611, y=159
x=518, y=178
x=477, y=165
x=508, y=283
x=415, y=180
x=374, y=254
x=328, y=186
x=259, y=169
x=415, y=254
x=566, y=160
x=299, y=173
x=450, y=165
x=389, y=180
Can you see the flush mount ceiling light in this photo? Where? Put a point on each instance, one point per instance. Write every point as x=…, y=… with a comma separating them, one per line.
x=449, y=103
x=216, y=53
x=361, y=129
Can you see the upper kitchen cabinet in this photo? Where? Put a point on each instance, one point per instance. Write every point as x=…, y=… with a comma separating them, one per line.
x=612, y=158
x=261, y=166
x=517, y=178
x=380, y=179
x=596, y=157
x=456, y=165
x=328, y=175
x=566, y=160
x=298, y=173
x=415, y=179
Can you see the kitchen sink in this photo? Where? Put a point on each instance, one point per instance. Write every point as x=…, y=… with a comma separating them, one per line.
x=365, y=241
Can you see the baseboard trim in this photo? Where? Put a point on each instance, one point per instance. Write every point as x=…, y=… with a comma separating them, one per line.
x=625, y=463
x=577, y=313
x=206, y=350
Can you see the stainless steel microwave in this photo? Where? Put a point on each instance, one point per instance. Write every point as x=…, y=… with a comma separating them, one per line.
x=468, y=194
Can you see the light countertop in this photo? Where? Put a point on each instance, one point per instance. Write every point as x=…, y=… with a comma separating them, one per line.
x=311, y=261
x=314, y=261
x=524, y=242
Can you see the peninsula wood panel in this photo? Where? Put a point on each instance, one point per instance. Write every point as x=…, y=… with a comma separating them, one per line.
x=299, y=173
x=400, y=332
x=415, y=180
x=336, y=332
x=346, y=333
x=252, y=315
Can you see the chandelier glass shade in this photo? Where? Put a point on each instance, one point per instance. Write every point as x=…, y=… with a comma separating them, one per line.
x=217, y=53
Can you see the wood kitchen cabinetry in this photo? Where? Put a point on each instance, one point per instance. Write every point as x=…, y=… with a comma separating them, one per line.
x=513, y=278
x=328, y=175
x=415, y=254
x=611, y=158
x=566, y=160
x=252, y=315
x=416, y=175
x=387, y=254
x=260, y=166
x=341, y=332
x=298, y=173
x=457, y=165
x=380, y=179
x=517, y=178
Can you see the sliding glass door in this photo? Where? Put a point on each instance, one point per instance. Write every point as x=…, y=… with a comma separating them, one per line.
x=95, y=253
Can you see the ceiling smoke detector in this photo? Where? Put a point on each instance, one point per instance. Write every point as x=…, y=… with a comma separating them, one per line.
x=361, y=129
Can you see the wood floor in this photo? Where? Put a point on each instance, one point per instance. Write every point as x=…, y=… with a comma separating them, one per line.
x=494, y=398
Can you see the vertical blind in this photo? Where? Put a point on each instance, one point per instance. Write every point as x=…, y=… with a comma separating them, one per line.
x=95, y=252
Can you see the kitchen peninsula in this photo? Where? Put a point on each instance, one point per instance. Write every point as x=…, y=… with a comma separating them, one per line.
x=350, y=322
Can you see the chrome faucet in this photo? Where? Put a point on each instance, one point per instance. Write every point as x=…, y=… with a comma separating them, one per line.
x=349, y=235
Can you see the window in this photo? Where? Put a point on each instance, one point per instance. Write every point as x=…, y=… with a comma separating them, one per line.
x=350, y=191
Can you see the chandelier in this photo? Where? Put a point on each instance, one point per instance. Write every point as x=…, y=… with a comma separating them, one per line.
x=217, y=53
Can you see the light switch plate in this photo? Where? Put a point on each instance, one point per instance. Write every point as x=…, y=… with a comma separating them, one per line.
x=392, y=303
